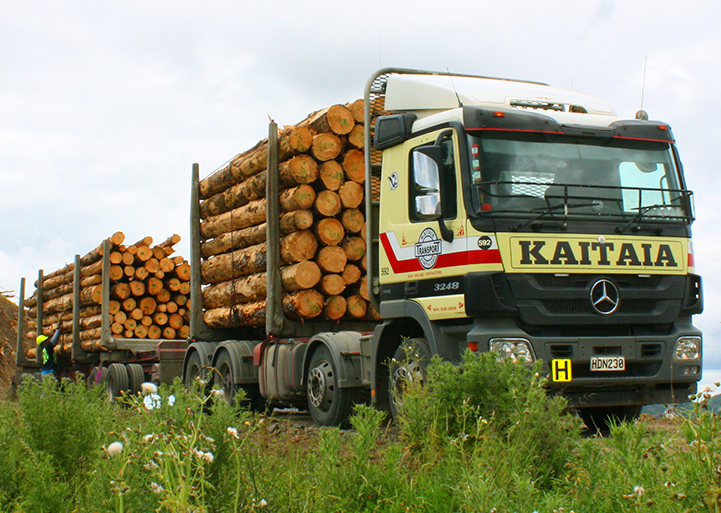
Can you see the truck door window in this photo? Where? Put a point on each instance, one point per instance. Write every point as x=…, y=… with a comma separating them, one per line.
x=424, y=183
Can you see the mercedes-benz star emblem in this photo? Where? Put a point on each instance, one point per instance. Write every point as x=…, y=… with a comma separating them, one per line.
x=605, y=297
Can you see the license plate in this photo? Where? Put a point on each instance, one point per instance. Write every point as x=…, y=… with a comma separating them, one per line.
x=608, y=363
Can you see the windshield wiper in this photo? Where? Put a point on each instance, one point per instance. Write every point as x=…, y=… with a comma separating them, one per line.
x=641, y=213
x=548, y=210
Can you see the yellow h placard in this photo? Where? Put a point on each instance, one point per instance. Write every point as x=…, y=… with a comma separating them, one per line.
x=561, y=370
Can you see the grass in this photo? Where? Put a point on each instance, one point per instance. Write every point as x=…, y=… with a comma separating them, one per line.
x=480, y=437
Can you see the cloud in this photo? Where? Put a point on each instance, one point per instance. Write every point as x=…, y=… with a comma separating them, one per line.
x=106, y=106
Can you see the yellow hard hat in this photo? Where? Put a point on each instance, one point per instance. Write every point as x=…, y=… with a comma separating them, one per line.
x=41, y=339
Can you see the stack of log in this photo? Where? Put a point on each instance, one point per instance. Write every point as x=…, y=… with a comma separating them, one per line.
x=322, y=225
x=149, y=295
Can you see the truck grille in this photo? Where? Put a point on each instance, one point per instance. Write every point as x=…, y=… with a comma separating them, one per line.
x=564, y=299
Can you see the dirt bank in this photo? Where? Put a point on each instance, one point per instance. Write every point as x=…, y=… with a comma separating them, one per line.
x=8, y=338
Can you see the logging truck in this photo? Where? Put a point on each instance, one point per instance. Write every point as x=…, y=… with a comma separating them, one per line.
x=439, y=214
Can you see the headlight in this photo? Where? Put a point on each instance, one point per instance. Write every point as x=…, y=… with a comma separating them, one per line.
x=513, y=348
x=688, y=349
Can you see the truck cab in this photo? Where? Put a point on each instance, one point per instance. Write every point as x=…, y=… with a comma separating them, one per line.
x=533, y=222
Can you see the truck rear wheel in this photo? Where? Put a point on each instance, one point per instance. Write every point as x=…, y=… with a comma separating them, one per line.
x=224, y=378
x=408, y=366
x=117, y=380
x=192, y=370
x=329, y=405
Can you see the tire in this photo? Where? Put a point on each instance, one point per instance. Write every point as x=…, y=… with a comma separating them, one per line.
x=97, y=376
x=193, y=369
x=409, y=364
x=136, y=377
x=224, y=378
x=328, y=403
x=117, y=381
x=601, y=419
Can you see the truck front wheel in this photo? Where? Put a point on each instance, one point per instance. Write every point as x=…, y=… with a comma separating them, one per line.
x=407, y=367
x=329, y=405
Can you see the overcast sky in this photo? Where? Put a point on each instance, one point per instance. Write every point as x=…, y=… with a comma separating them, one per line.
x=105, y=106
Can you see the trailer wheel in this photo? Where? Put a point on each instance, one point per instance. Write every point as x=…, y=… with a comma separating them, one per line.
x=97, y=376
x=117, y=380
x=407, y=367
x=329, y=405
x=136, y=377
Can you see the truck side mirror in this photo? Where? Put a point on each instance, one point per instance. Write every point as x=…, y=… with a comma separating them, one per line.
x=426, y=161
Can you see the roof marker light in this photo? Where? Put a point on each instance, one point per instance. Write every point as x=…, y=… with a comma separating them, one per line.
x=499, y=114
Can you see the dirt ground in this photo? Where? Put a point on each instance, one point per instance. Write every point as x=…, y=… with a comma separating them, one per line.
x=8, y=340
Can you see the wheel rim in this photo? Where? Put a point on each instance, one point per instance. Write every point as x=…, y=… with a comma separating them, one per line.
x=403, y=377
x=320, y=386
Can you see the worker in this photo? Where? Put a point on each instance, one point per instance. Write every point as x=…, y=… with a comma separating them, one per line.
x=47, y=348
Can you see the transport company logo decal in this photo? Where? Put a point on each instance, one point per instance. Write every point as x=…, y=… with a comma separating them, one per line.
x=428, y=248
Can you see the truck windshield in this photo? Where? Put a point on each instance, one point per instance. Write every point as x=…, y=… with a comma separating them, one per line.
x=529, y=174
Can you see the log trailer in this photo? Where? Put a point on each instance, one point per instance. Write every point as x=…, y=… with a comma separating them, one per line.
x=512, y=217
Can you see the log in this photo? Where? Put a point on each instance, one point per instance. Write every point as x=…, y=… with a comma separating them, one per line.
x=351, y=194
x=154, y=332
x=171, y=307
x=353, y=220
x=357, y=307
x=148, y=305
x=129, y=304
x=297, y=198
x=289, y=222
x=173, y=284
x=354, y=247
x=326, y=146
x=331, y=175
x=242, y=217
x=304, y=304
x=154, y=286
x=137, y=288
x=334, y=308
x=327, y=203
x=336, y=118
x=128, y=258
x=169, y=333
x=357, y=137
x=331, y=259
x=175, y=321
x=300, y=276
x=331, y=284
x=146, y=321
x=182, y=271
x=354, y=165
x=236, y=196
x=301, y=169
x=164, y=295
x=300, y=139
x=120, y=317
x=329, y=231
x=140, y=331
x=296, y=247
x=142, y=273
x=160, y=318
x=357, y=109
x=351, y=274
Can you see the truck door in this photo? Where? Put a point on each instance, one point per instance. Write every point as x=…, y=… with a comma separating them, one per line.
x=423, y=225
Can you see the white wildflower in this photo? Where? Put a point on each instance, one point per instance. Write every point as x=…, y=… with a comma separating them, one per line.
x=217, y=392
x=149, y=388
x=639, y=491
x=149, y=437
x=156, y=487
x=151, y=465
x=152, y=401
x=208, y=456
x=171, y=400
x=115, y=448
